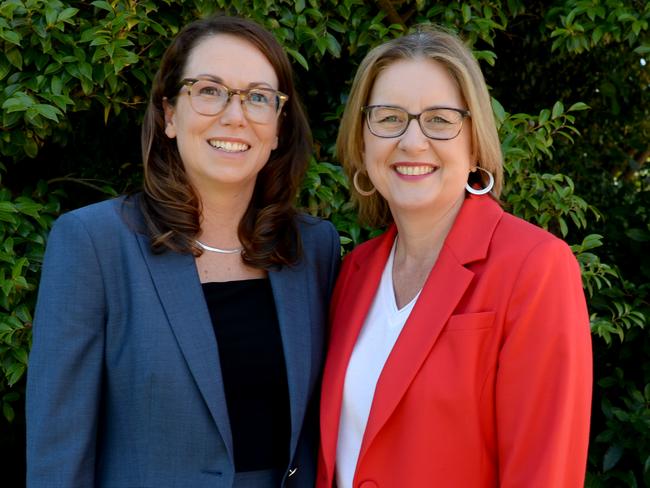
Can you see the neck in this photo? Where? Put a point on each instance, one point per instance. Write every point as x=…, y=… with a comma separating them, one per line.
x=421, y=235
x=222, y=212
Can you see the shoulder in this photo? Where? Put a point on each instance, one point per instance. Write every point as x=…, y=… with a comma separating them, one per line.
x=105, y=217
x=526, y=249
x=314, y=230
x=106, y=210
x=488, y=236
x=320, y=240
x=484, y=230
x=514, y=232
x=321, y=246
x=104, y=224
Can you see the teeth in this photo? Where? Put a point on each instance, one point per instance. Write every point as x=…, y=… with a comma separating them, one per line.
x=414, y=170
x=229, y=146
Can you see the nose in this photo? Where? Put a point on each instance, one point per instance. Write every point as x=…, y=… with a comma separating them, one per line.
x=233, y=112
x=413, y=139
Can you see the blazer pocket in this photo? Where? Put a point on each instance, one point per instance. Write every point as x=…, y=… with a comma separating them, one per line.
x=471, y=321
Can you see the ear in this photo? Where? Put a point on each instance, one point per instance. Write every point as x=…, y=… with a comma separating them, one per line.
x=275, y=143
x=170, y=128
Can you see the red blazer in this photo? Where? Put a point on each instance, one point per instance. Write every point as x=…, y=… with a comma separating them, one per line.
x=489, y=383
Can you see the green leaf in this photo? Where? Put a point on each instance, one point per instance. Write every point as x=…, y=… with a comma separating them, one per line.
x=11, y=397
x=336, y=26
x=28, y=207
x=50, y=14
x=612, y=457
x=15, y=57
x=10, y=36
x=17, y=268
x=8, y=412
x=89, y=35
x=86, y=70
x=100, y=4
x=7, y=207
x=467, y=13
x=8, y=7
x=56, y=85
x=333, y=46
x=488, y=56
x=158, y=29
x=19, y=102
x=626, y=17
x=87, y=86
x=67, y=14
x=31, y=148
x=20, y=355
x=642, y=49
x=558, y=109
x=499, y=111
x=14, y=372
x=298, y=57
x=5, y=68
x=544, y=116
x=99, y=41
x=48, y=111
x=578, y=106
x=638, y=235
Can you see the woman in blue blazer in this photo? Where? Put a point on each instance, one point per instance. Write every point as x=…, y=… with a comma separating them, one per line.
x=178, y=336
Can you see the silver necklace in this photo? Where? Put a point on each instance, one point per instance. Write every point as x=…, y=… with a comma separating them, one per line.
x=217, y=250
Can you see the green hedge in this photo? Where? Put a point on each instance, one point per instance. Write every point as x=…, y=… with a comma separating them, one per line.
x=571, y=100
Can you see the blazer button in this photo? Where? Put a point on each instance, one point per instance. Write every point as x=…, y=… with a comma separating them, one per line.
x=368, y=484
x=292, y=471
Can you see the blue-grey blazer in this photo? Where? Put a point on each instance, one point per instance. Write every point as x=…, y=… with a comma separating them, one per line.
x=124, y=385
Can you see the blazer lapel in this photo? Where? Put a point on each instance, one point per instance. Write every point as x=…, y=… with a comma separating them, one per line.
x=443, y=289
x=292, y=298
x=348, y=318
x=468, y=241
x=179, y=289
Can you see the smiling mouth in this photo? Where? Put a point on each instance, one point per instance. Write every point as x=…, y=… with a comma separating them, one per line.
x=411, y=170
x=229, y=146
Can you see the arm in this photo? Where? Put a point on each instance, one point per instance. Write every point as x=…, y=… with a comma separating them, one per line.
x=544, y=374
x=65, y=364
x=335, y=250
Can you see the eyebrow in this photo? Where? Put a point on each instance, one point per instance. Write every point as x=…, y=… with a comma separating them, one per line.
x=252, y=84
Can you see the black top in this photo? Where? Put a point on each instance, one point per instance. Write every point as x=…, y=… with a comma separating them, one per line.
x=254, y=373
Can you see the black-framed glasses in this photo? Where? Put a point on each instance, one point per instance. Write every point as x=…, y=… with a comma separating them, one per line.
x=209, y=97
x=441, y=123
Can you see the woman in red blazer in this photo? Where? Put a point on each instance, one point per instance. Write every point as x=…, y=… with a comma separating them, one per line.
x=460, y=352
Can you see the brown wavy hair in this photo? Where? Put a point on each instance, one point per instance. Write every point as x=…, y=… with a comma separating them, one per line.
x=446, y=48
x=172, y=208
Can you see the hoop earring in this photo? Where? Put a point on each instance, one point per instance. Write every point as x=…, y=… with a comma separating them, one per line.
x=355, y=182
x=482, y=191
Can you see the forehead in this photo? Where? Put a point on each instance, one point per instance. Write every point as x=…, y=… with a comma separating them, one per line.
x=416, y=84
x=236, y=61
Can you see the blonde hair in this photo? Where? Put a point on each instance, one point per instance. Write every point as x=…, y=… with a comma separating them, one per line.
x=426, y=42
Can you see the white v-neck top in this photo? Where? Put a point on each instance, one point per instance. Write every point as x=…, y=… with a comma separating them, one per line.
x=378, y=335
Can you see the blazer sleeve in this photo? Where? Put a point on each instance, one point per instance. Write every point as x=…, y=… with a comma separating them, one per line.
x=65, y=364
x=544, y=374
x=335, y=257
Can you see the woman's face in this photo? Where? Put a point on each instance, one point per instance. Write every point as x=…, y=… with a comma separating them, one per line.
x=414, y=173
x=224, y=151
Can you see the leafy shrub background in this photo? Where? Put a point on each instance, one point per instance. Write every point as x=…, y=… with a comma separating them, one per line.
x=570, y=86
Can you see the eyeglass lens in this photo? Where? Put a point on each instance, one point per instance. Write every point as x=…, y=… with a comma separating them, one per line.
x=436, y=123
x=210, y=98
